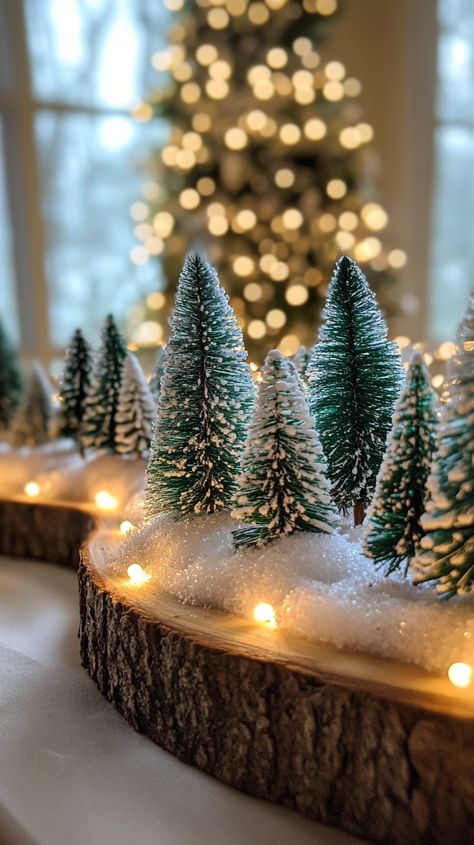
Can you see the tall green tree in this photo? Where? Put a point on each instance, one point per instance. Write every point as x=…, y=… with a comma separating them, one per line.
x=74, y=386
x=205, y=401
x=10, y=380
x=135, y=411
x=393, y=528
x=354, y=379
x=447, y=551
x=282, y=487
x=99, y=424
x=30, y=425
x=266, y=162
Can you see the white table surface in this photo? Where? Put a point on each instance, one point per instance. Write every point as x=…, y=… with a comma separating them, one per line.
x=73, y=772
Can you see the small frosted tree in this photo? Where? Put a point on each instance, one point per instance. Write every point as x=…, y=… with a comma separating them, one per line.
x=74, y=385
x=99, y=424
x=10, y=380
x=393, y=529
x=354, y=379
x=157, y=374
x=447, y=549
x=205, y=401
x=282, y=487
x=30, y=426
x=135, y=412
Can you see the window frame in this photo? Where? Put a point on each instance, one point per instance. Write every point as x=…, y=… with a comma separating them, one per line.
x=18, y=109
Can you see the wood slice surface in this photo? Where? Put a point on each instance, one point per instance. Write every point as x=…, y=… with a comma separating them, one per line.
x=297, y=724
x=50, y=532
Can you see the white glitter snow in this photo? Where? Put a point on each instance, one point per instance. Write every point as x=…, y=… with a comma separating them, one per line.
x=320, y=585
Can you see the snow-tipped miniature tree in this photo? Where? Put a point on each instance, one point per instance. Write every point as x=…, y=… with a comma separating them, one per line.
x=354, y=379
x=157, y=374
x=74, y=385
x=10, y=380
x=393, y=528
x=30, y=425
x=282, y=487
x=99, y=424
x=301, y=359
x=447, y=549
x=205, y=401
x=135, y=411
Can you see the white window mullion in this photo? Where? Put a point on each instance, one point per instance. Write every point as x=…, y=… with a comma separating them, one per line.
x=23, y=187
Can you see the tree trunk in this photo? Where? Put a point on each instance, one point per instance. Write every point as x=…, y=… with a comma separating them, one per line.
x=359, y=513
x=53, y=533
x=348, y=753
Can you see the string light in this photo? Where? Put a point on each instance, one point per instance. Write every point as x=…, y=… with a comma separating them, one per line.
x=397, y=258
x=460, y=674
x=289, y=344
x=446, y=350
x=253, y=292
x=105, y=501
x=315, y=129
x=156, y=300
x=126, y=526
x=32, y=489
x=290, y=133
x=374, y=216
x=256, y=329
x=296, y=295
x=243, y=265
x=137, y=575
x=277, y=57
x=264, y=614
x=149, y=333
x=336, y=189
x=235, y=138
x=276, y=318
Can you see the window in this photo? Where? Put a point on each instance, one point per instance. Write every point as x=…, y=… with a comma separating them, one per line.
x=72, y=72
x=452, y=248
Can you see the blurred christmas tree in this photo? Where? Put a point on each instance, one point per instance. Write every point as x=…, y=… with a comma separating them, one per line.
x=266, y=166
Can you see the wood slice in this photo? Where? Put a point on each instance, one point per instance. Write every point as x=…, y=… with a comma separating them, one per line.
x=390, y=765
x=48, y=532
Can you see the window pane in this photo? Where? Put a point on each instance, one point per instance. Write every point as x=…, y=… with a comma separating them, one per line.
x=94, y=52
x=456, y=76
x=452, y=253
x=90, y=174
x=8, y=306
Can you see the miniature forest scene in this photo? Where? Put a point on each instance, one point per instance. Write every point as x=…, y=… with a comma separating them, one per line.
x=244, y=505
x=236, y=422
x=86, y=443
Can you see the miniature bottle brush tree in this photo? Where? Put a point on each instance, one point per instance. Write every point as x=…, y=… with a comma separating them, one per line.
x=31, y=423
x=74, y=386
x=135, y=411
x=10, y=380
x=205, y=402
x=282, y=487
x=393, y=528
x=447, y=549
x=99, y=424
x=354, y=378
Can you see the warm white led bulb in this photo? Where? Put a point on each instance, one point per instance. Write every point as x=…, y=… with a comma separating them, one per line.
x=105, y=501
x=264, y=614
x=460, y=674
x=126, y=526
x=137, y=575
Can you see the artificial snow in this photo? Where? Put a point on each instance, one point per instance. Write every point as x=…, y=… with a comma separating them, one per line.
x=321, y=586
x=64, y=475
